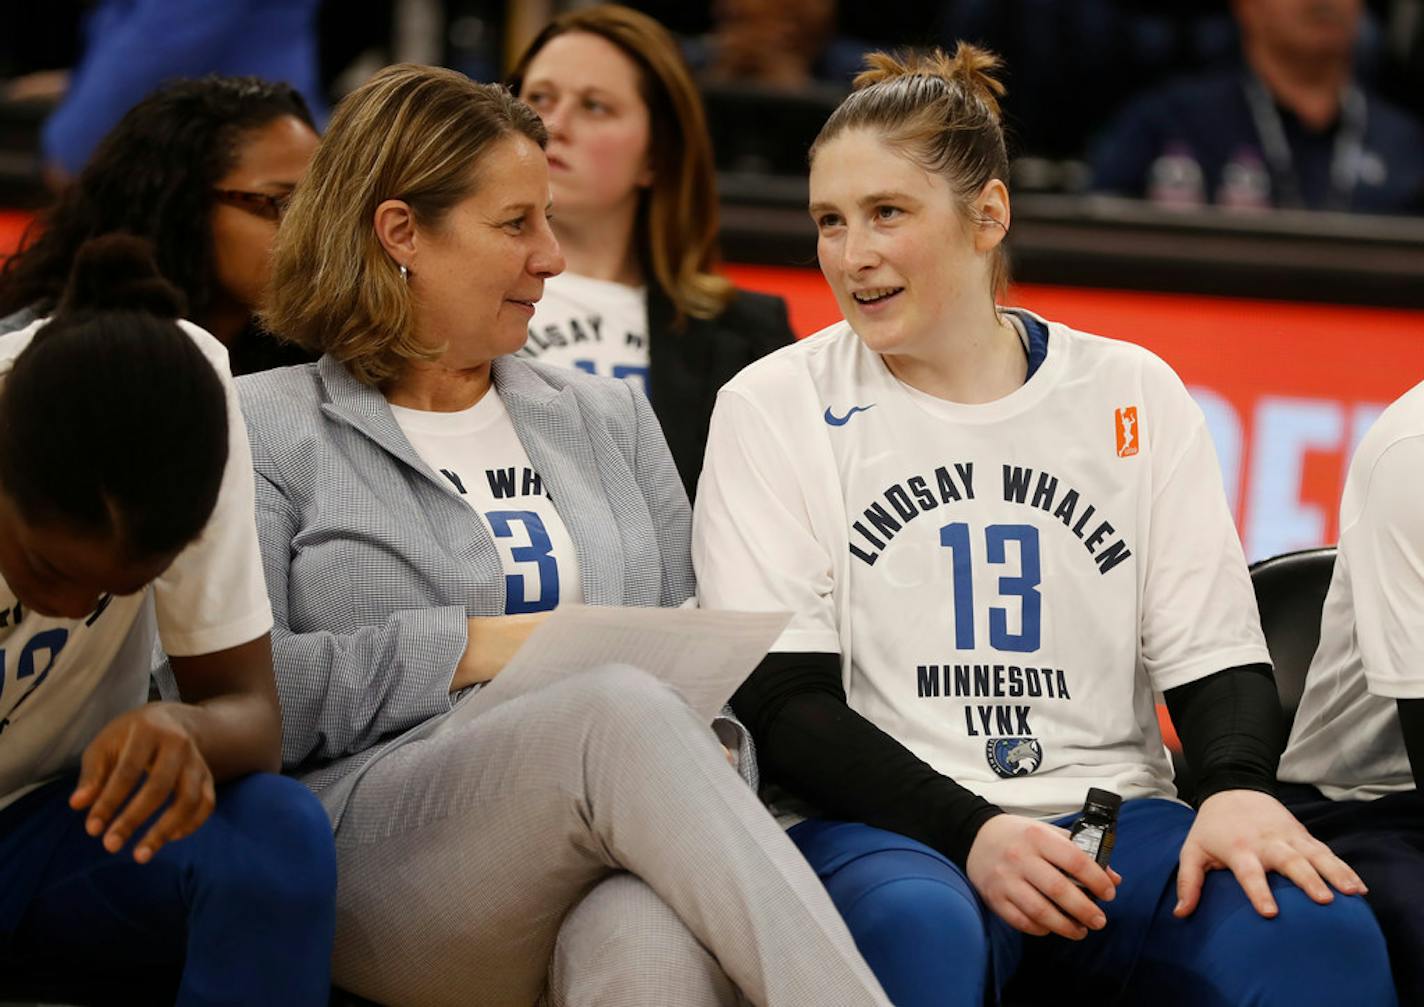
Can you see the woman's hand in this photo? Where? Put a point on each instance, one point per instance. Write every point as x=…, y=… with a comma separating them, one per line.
x=153, y=749
x=1251, y=833
x=493, y=641
x=1024, y=869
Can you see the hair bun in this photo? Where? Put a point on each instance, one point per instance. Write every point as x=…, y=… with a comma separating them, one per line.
x=117, y=272
x=971, y=68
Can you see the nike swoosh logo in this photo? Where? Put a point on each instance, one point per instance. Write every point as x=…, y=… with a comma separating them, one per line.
x=840, y=421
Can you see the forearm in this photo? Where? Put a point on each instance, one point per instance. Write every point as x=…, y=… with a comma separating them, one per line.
x=236, y=734
x=343, y=692
x=492, y=643
x=229, y=708
x=1231, y=728
x=811, y=742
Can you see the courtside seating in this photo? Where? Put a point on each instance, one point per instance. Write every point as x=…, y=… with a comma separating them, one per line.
x=1290, y=592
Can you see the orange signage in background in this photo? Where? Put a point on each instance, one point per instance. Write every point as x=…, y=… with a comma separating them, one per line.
x=1287, y=388
x=12, y=229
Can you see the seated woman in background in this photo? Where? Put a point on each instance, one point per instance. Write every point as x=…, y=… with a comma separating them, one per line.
x=998, y=536
x=147, y=851
x=202, y=169
x=424, y=499
x=630, y=163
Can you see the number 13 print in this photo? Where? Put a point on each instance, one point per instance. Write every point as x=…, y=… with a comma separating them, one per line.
x=955, y=538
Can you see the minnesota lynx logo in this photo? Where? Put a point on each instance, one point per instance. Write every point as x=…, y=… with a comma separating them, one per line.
x=1010, y=757
x=1126, y=431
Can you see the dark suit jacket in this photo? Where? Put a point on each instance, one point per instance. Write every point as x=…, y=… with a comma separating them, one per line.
x=688, y=365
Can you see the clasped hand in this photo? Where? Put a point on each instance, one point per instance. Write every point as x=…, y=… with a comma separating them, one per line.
x=140, y=760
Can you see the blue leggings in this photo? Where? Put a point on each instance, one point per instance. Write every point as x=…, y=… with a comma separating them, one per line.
x=933, y=943
x=240, y=912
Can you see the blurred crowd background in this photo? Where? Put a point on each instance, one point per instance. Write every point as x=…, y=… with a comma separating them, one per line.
x=1142, y=98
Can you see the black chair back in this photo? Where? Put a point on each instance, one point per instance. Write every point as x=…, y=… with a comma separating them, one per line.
x=1290, y=592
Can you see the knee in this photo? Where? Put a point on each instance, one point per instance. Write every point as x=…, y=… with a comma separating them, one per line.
x=1336, y=951
x=614, y=688
x=618, y=696
x=277, y=840
x=281, y=810
x=1342, y=935
x=621, y=914
x=595, y=724
x=918, y=929
x=918, y=912
x=622, y=944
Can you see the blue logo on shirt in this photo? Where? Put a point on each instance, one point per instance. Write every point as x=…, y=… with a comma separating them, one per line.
x=1010, y=757
x=840, y=421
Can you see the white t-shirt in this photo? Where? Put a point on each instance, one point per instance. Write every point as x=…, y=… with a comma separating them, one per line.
x=1006, y=583
x=1346, y=738
x=594, y=325
x=64, y=679
x=478, y=453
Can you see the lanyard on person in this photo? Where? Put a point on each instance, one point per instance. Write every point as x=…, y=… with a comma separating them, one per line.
x=1344, y=160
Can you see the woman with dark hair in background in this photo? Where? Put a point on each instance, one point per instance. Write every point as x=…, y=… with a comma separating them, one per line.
x=202, y=169
x=147, y=851
x=635, y=211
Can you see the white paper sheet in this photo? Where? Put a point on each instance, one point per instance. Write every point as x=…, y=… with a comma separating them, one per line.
x=704, y=655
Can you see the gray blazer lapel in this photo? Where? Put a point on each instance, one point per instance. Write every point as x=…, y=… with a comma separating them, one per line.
x=366, y=409
x=551, y=427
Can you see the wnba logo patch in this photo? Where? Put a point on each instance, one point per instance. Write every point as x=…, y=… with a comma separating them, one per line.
x=1126, y=431
x=1010, y=757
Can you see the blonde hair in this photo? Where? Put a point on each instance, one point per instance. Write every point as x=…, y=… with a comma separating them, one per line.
x=414, y=133
x=943, y=111
x=677, y=222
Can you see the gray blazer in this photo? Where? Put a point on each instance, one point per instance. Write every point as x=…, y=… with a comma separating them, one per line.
x=373, y=565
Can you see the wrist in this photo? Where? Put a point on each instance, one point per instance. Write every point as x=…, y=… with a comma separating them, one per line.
x=1226, y=780
x=962, y=841
x=236, y=735
x=491, y=642
x=189, y=716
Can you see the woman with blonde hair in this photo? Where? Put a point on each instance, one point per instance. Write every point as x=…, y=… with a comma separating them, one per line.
x=424, y=498
x=635, y=201
x=998, y=536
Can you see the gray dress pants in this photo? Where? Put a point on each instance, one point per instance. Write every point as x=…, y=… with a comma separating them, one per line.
x=584, y=844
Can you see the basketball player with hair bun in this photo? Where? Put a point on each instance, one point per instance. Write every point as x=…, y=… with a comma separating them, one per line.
x=998, y=536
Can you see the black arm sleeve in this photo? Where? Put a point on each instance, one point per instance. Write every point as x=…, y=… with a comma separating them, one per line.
x=818, y=748
x=1411, y=722
x=1231, y=728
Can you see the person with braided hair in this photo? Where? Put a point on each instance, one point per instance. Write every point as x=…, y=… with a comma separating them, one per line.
x=149, y=853
x=998, y=536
